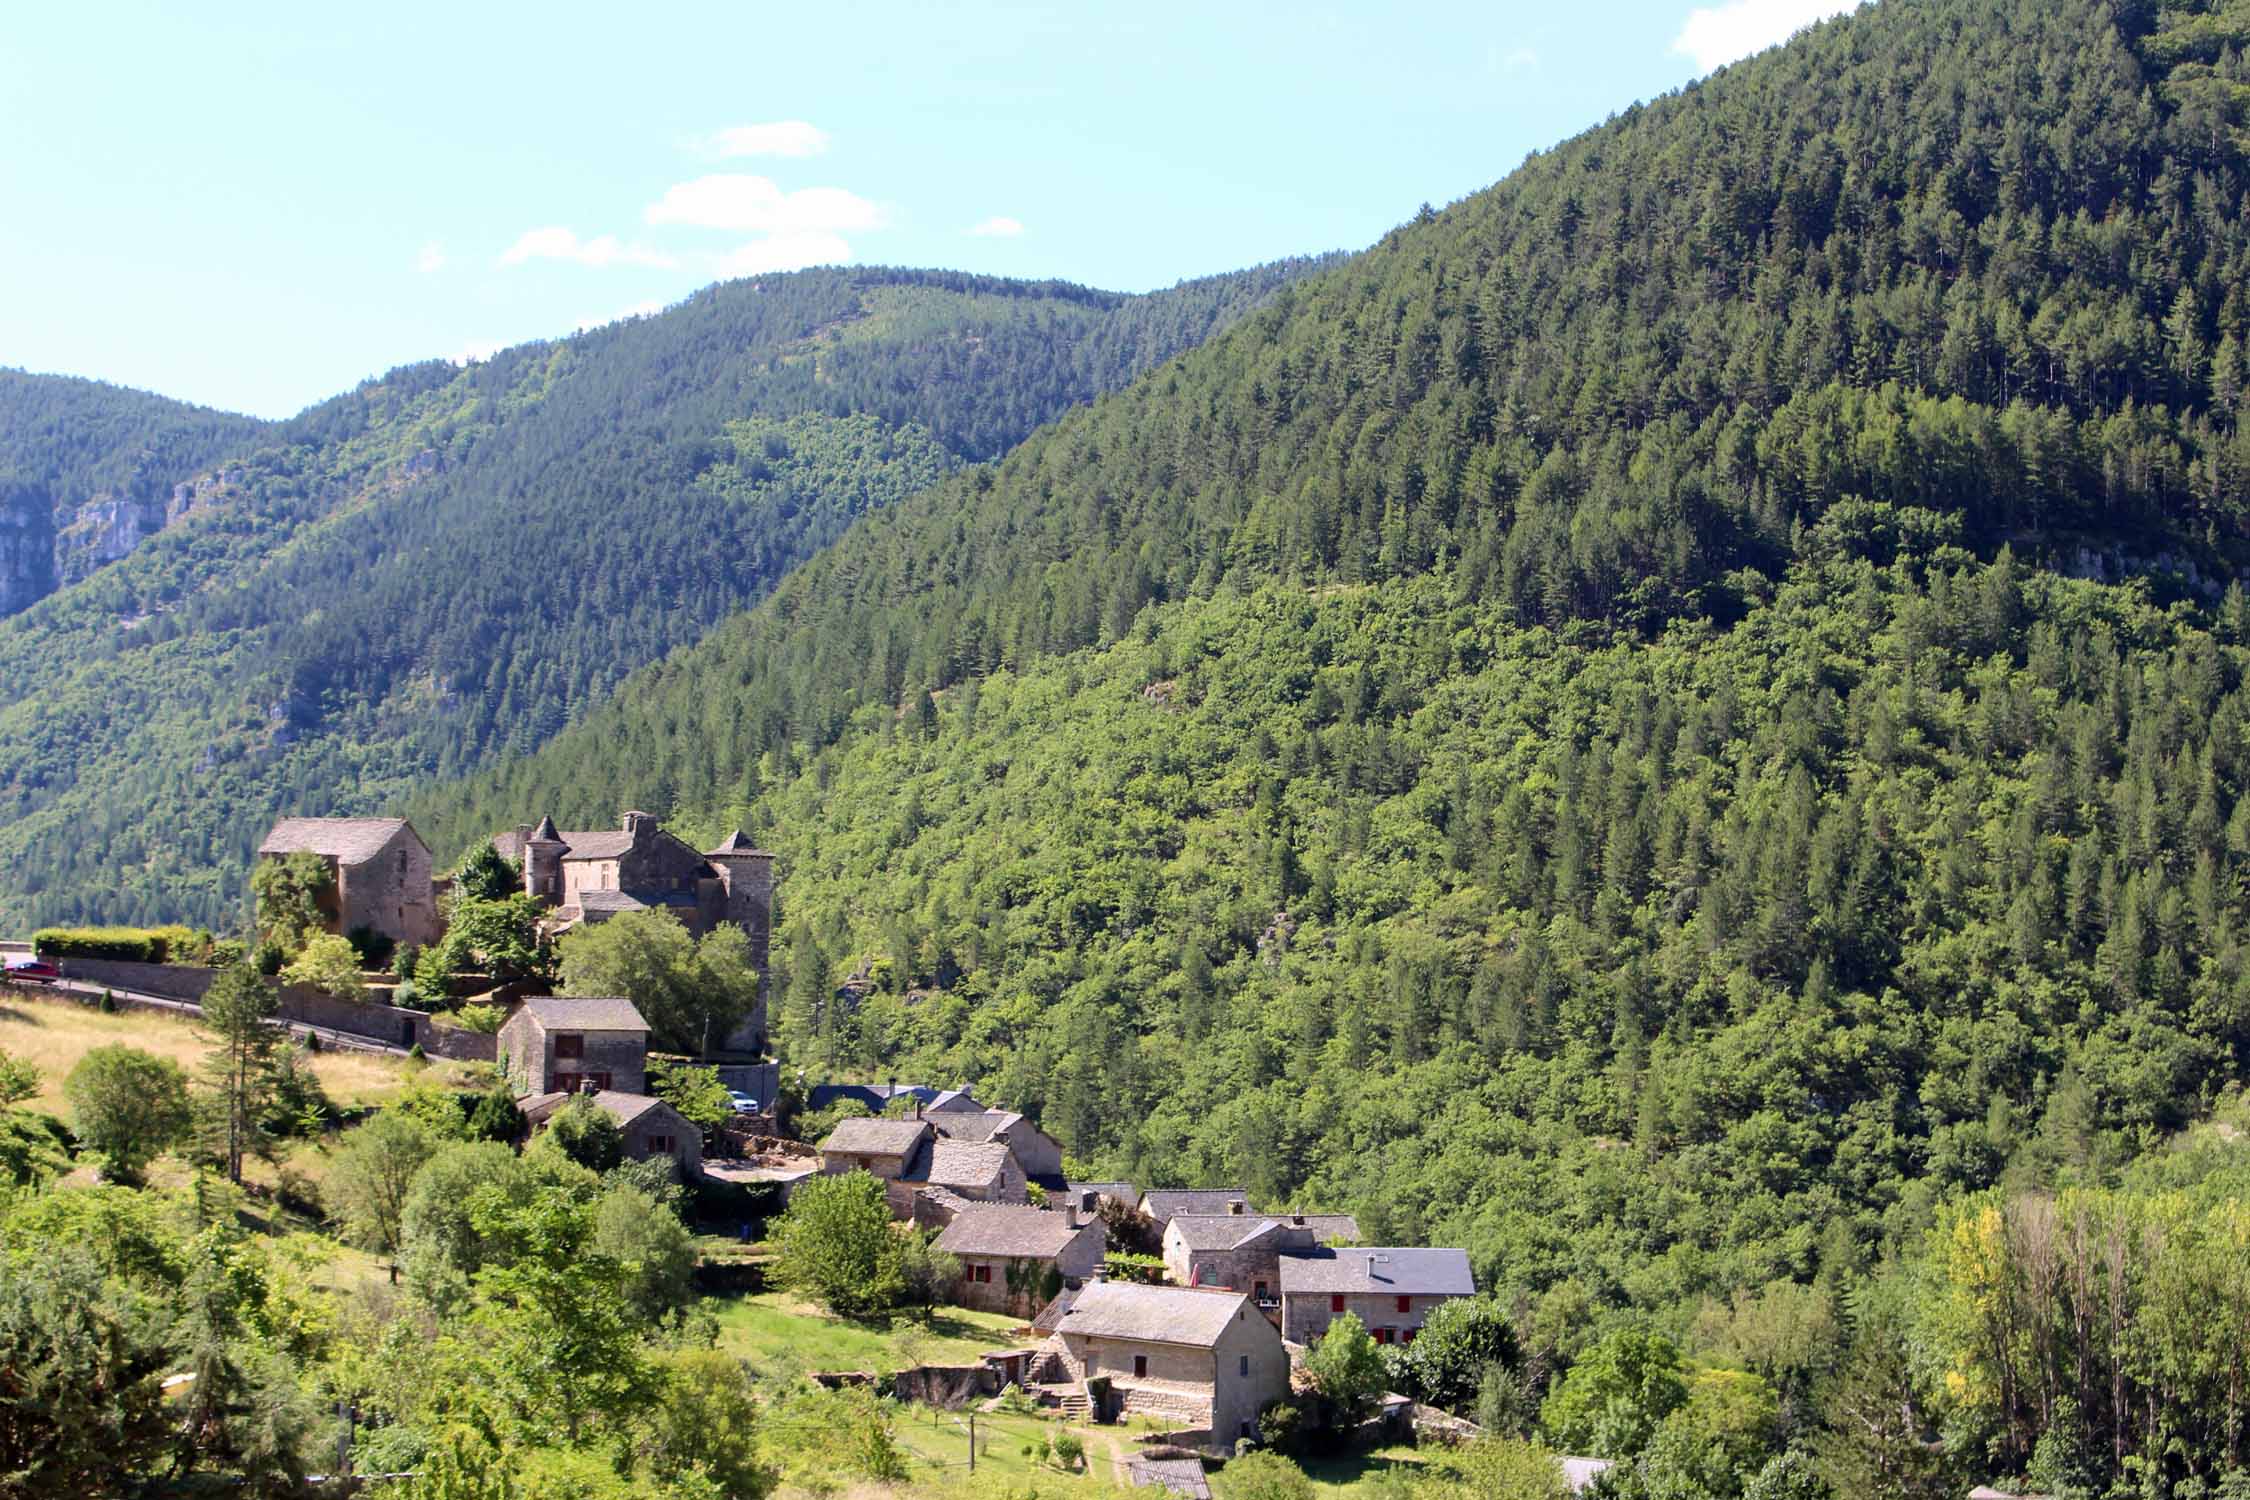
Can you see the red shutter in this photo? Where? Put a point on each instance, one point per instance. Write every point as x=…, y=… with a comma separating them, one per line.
x=1406, y=1304
x=1336, y=1302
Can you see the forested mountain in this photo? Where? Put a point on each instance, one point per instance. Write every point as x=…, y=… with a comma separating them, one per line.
x=448, y=563
x=1674, y=723
x=88, y=469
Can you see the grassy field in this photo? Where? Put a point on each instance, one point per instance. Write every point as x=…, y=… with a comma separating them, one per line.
x=52, y=1034
x=783, y=1338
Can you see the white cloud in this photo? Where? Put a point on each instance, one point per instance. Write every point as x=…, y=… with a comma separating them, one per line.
x=638, y=310
x=775, y=138
x=1518, y=59
x=998, y=227
x=553, y=242
x=431, y=259
x=475, y=352
x=744, y=203
x=1715, y=35
x=785, y=252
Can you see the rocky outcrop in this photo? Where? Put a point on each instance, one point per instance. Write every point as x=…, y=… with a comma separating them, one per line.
x=100, y=532
x=200, y=493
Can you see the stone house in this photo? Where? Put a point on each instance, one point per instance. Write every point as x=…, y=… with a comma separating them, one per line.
x=985, y=1172
x=593, y=875
x=563, y=1044
x=1392, y=1289
x=1037, y=1154
x=380, y=874
x=651, y=1127
x=1243, y=1251
x=1158, y=1205
x=1007, y=1252
x=1201, y=1358
x=880, y=1148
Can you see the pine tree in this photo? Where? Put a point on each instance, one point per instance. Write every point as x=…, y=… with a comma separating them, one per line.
x=240, y=1072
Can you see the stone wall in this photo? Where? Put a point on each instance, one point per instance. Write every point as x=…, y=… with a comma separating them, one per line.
x=390, y=893
x=382, y=1024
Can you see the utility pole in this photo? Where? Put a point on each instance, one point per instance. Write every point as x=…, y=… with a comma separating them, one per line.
x=972, y=1440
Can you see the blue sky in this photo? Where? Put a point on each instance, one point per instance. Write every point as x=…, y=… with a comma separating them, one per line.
x=255, y=206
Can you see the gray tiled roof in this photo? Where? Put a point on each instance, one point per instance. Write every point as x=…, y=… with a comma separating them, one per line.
x=601, y=843
x=1326, y=1227
x=1219, y=1231
x=737, y=843
x=1182, y=1476
x=1154, y=1314
x=1005, y=1229
x=1163, y=1203
x=621, y=1107
x=1123, y=1192
x=964, y=1164
x=970, y=1125
x=1407, y=1270
x=348, y=841
x=585, y=1013
x=875, y=1137
x=610, y=901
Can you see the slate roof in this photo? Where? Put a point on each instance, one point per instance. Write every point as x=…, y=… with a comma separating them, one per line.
x=736, y=843
x=610, y=901
x=1123, y=1192
x=545, y=832
x=962, y=1164
x=1163, y=1203
x=958, y=1100
x=605, y=843
x=1182, y=1476
x=585, y=1013
x=348, y=841
x=873, y=1137
x=1327, y=1227
x=1154, y=1314
x=874, y=1095
x=964, y=1125
x=1410, y=1270
x=1220, y=1231
x=623, y=1108
x=1005, y=1229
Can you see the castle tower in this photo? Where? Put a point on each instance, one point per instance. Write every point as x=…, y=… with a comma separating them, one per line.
x=747, y=874
x=542, y=863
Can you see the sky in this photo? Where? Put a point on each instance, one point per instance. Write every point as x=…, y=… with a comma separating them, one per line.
x=255, y=206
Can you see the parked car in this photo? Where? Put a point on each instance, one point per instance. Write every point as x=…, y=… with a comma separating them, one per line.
x=743, y=1103
x=33, y=971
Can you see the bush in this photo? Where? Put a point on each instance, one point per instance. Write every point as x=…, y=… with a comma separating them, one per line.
x=140, y=945
x=1262, y=1476
x=483, y=1019
x=584, y=1132
x=183, y=945
x=227, y=952
x=127, y=1105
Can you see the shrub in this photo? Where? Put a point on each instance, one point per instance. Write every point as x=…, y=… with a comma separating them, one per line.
x=373, y=949
x=1262, y=1476
x=126, y=944
x=227, y=952
x=127, y=1105
x=485, y=1019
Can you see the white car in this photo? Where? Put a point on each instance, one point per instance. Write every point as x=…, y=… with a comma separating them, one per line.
x=743, y=1103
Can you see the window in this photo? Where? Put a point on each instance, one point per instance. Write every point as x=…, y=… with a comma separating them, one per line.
x=1406, y=1304
x=598, y=1080
x=1406, y=1335
x=1384, y=1335
x=570, y=1044
x=661, y=1143
x=1258, y=1291
x=1245, y=1370
x=566, y=1083
x=1140, y=1366
x=980, y=1273
x=1336, y=1302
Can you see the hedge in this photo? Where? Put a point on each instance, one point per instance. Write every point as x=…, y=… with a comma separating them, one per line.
x=132, y=944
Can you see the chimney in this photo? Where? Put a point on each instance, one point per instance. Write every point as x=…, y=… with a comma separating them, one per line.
x=1235, y=1205
x=1298, y=1220
x=1070, y=1213
x=917, y=1106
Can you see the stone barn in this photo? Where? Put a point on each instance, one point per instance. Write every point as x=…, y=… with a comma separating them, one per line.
x=379, y=874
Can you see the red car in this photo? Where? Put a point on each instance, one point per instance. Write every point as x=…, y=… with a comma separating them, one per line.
x=35, y=971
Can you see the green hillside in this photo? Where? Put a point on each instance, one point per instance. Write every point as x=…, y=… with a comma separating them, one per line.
x=86, y=469
x=451, y=563
x=1670, y=723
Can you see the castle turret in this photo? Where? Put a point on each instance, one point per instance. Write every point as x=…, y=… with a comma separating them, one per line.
x=747, y=874
x=542, y=863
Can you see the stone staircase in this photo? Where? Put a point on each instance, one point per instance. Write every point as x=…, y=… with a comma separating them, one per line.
x=1070, y=1400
